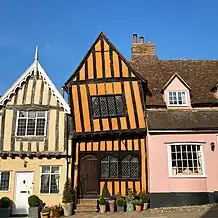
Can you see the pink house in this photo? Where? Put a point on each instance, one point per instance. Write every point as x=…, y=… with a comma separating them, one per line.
x=182, y=128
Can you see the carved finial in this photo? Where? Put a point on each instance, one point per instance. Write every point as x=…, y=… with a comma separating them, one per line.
x=36, y=53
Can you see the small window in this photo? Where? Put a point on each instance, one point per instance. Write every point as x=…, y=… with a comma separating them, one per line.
x=130, y=167
x=31, y=123
x=4, y=180
x=186, y=159
x=50, y=179
x=107, y=106
x=109, y=167
x=177, y=98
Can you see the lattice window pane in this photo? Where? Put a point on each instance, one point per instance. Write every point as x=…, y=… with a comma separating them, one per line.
x=45, y=181
x=105, y=169
x=111, y=105
x=125, y=169
x=40, y=127
x=31, y=127
x=54, y=184
x=134, y=167
x=119, y=105
x=103, y=104
x=21, y=127
x=31, y=114
x=96, y=107
x=4, y=181
x=41, y=114
x=113, y=167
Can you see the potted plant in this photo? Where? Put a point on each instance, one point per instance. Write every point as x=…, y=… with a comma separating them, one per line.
x=111, y=201
x=57, y=211
x=67, y=200
x=129, y=201
x=102, y=204
x=145, y=199
x=138, y=205
x=120, y=202
x=45, y=212
x=105, y=192
x=34, y=206
x=5, y=207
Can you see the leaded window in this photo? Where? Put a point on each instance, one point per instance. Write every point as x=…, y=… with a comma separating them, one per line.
x=107, y=106
x=130, y=167
x=177, y=98
x=50, y=179
x=109, y=167
x=4, y=180
x=31, y=123
x=186, y=159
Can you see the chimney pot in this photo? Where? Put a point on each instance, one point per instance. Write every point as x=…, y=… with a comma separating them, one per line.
x=135, y=38
x=141, y=40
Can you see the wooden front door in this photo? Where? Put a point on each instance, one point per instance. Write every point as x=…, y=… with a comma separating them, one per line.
x=88, y=177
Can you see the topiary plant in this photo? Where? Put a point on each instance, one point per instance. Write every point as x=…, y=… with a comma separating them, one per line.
x=5, y=202
x=68, y=192
x=102, y=201
x=105, y=192
x=34, y=201
x=120, y=202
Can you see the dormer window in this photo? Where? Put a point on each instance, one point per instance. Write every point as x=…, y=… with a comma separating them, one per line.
x=177, y=98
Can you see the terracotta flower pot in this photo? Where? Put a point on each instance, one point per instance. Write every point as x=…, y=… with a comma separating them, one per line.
x=112, y=205
x=51, y=214
x=102, y=208
x=45, y=215
x=57, y=213
x=138, y=208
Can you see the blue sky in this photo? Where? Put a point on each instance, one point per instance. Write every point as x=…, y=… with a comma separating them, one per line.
x=65, y=30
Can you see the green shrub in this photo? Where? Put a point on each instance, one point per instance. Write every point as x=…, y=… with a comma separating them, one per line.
x=105, y=192
x=5, y=202
x=34, y=201
x=144, y=197
x=138, y=202
x=68, y=192
x=102, y=201
x=120, y=202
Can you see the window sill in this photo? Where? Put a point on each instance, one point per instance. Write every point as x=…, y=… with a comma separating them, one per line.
x=120, y=179
x=49, y=194
x=30, y=138
x=4, y=191
x=184, y=176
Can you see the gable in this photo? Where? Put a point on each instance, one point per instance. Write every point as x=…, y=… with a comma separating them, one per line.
x=103, y=61
x=34, y=88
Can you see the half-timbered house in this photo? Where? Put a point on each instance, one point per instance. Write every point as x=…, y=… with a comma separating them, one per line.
x=33, y=140
x=108, y=123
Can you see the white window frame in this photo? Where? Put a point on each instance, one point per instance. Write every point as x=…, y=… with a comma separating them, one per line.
x=170, y=168
x=45, y=129
x=47, y=165
x=177, y=91
x=9, y=182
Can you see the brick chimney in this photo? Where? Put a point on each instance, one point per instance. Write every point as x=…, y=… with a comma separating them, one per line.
x=142, y=49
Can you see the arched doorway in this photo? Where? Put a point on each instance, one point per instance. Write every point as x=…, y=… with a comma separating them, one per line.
x=88, y=177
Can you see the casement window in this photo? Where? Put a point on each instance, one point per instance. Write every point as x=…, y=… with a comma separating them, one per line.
x=113, y=167
x=4, y=180
x=186, y=159
x=130, y=167
x=107, y=106
x=177, y=98
x=50, y=179
x=31, y=123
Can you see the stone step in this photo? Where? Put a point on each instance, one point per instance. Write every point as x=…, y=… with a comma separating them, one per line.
x=87, y=201
x=86, y=206
x=83, y=211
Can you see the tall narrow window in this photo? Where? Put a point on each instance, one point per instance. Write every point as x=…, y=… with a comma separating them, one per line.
x=109, y=167
x=107, y=106
x=4, y=180
x=130, y=167
x=177, y=98
x=31, y=123
x=186, y=159
x=50, y=177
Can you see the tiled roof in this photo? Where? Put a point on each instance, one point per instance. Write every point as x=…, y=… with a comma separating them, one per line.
x=182, y=119
x=200, y=75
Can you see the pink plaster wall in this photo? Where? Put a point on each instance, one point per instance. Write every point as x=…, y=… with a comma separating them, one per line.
x=176, y=85
x=158, y=173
